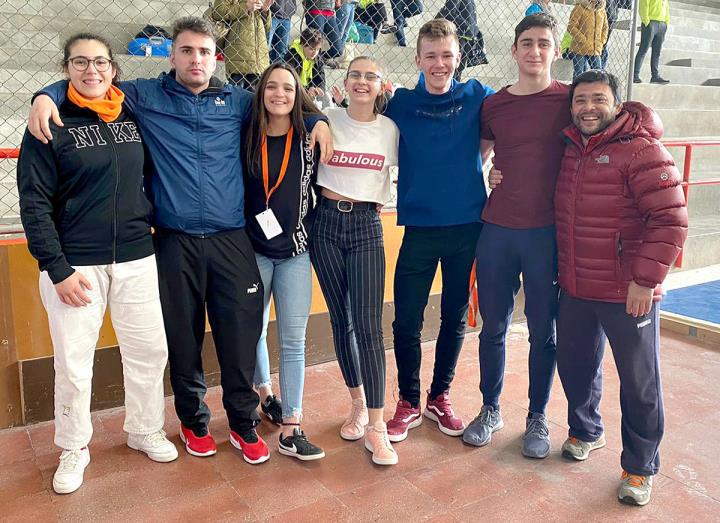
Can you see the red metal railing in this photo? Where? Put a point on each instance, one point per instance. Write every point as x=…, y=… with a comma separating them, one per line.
x=687, y=164
x=10, y=154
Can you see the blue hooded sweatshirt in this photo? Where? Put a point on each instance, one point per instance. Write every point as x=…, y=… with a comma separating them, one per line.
x=440, y=180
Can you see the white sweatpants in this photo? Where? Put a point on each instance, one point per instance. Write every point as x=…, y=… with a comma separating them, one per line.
x=131, y=291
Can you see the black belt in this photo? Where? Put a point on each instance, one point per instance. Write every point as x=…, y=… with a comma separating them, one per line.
x=346, y=205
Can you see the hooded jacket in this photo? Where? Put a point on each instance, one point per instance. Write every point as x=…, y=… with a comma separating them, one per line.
x=440, y=180
x=81, y=194
x=620, y=211
x=588, y=26
x=246, y=47
x=658, y=10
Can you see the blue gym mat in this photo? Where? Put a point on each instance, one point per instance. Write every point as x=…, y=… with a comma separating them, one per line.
x=700, y=301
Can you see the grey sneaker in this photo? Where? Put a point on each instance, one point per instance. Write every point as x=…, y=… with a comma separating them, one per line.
x=635, y=490
x=479, y=432
x=578, y=449
x=536, y=441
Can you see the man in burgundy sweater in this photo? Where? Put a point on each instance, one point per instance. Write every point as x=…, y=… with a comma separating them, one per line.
x=621, y=221
x=523, y=123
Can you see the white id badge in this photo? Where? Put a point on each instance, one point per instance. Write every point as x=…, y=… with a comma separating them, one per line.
x=269, y=224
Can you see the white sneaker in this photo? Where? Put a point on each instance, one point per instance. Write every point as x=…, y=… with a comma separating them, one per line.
x=155, y=445
x=69, y=474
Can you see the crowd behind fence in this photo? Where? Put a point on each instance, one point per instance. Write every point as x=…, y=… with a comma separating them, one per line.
x=594, y=33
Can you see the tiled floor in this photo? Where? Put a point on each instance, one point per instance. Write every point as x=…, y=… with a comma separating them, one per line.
x=438, y=478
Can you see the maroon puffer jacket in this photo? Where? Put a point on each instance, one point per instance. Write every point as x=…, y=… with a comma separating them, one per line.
x=619, y=208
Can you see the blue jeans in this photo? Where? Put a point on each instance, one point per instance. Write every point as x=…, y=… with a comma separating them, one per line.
x=399, y=22
x=502, y=255
x=289, y=282
x=278, y=39
x=582, y=63
x=328, y=25
x=345, y=16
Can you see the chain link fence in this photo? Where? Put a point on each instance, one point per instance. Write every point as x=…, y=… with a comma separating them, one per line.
x=33, y=33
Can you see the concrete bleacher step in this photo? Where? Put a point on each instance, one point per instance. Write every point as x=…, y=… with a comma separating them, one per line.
x=704, y=200
x=692, y=97
x=681, y=74
x=702, y=247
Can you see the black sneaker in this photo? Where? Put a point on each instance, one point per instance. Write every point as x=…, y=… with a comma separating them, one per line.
x=299, y=447
x=272, y=408
x=388, y=29
x=636, y=80
x=659, y=80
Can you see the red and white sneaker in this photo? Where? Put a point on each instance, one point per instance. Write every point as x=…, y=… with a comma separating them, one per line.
x=254, y=452
x=196, y=445
x=440, y=410
x=406, y=417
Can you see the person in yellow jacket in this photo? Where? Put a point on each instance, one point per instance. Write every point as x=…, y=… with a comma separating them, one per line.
x=588, y=27
x=246, y=49
x=655, y=17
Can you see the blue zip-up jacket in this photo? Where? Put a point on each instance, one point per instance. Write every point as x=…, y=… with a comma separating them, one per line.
x=194, y=143
x=440, y=178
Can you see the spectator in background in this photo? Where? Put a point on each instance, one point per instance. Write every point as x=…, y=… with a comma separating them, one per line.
x=246, y=49
x=279, y=37
x=611, y=10
x=463, y=14
x=541, y=6
x=655, y=16
x=373, y=14
x=320, y=15
x=345, y=15
x=304, y=56
x=588, y=26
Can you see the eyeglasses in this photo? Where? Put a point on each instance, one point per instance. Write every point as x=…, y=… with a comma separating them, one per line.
x=370, y=77
x=81, y=63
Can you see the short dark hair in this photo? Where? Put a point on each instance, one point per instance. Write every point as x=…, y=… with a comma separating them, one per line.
x=436, y=29
x=70, y=42
x=193, y=24
x=544, y=20
x=597, y=75
x=311, y=37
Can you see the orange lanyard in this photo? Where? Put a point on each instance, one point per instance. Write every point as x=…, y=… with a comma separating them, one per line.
x=283, y=167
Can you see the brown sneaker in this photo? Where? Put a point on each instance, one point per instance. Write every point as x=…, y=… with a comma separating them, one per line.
x=354, y=427
x=377, y=442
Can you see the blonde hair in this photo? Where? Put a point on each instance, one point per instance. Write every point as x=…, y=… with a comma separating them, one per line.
x=436, y=29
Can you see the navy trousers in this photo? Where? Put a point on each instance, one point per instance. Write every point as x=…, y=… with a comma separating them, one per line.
x=502, y=255
x=583, y=326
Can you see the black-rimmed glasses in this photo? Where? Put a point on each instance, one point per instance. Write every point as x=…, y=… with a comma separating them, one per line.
x=81, y=63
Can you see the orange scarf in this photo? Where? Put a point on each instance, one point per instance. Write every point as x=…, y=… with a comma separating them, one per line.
x=107, y=108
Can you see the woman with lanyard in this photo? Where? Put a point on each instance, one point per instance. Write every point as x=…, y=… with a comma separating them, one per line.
x=280, y=204
x=348, y=252
x=87, y=222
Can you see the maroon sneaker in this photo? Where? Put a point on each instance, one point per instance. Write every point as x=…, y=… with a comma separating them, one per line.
x=196, y=445
x=406, y=417
x=253, y=447
x=440, y=410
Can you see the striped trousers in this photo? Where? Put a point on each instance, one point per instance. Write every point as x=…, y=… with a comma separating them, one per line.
x=349, y=259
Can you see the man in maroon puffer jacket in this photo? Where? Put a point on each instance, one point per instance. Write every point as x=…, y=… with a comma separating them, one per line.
x=621, y=222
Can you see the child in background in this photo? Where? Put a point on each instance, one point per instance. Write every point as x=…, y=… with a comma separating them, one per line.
x=304, y=56
x=588, y=26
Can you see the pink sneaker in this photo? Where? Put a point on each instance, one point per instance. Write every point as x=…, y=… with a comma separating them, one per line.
x=405, y=418
x=440, y=410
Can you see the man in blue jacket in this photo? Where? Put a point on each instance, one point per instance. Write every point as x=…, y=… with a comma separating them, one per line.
x=441, y=194
x=192, y=125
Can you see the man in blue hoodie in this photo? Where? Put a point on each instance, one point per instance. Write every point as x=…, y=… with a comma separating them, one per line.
x=191, y=124
x=441, y=194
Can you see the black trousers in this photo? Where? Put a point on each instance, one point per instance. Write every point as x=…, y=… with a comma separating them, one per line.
x=651, y=35
x=219, y=273
x=583, y=327
x=422, y=249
